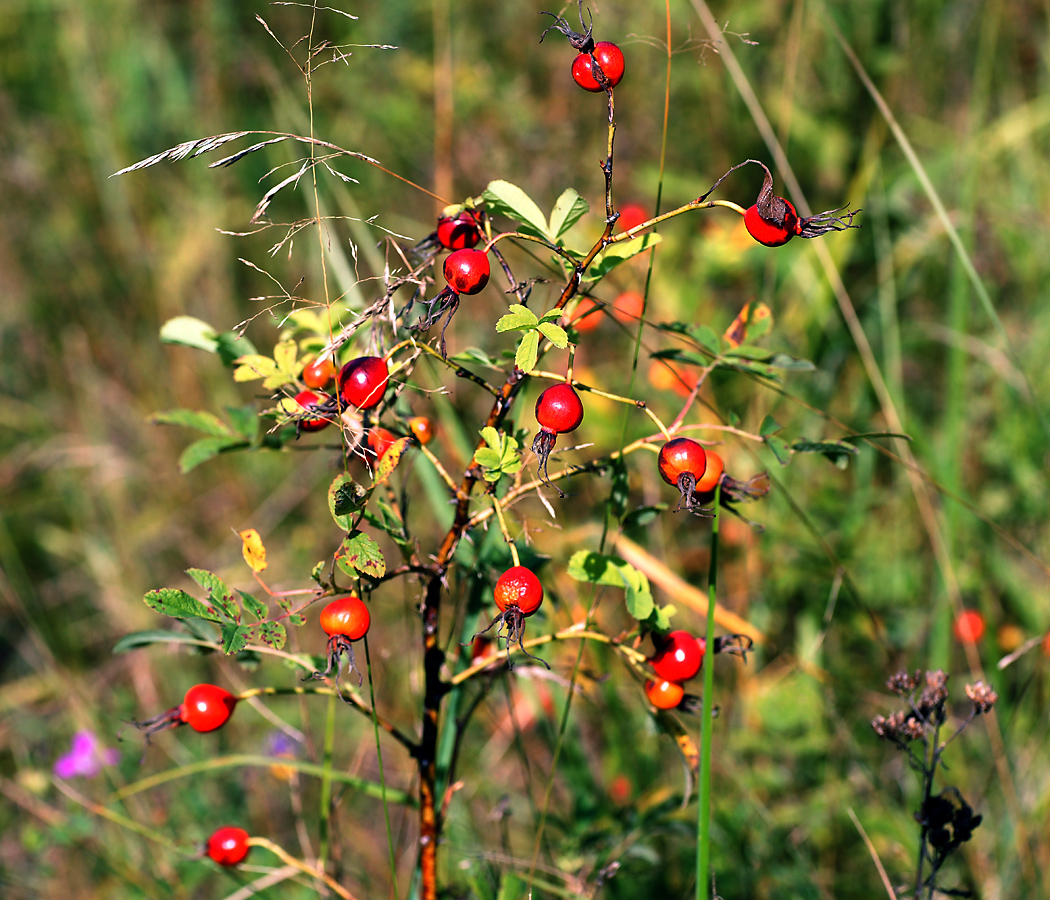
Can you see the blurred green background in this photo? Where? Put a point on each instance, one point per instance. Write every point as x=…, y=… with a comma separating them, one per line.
x=859, y=571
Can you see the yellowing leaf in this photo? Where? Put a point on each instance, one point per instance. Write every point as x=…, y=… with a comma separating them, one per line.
x=391, y=458
x=253, y=366
x=284, y=355
x=253, y=550
x=749, y=323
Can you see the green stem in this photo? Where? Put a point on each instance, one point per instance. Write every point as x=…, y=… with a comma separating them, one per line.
x=382, y=775
x=326, y=783
x=703, y=813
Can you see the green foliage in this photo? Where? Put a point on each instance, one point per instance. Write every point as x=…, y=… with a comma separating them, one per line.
x=843, y=583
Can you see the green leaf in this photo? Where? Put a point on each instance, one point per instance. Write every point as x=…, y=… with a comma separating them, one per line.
x=660, y=618
x=244, y=420
x=232, y=346
x=780, y=449
x=568, y=209
x=234, y=638
x=619, y=492
x=769, y=426
x=492, y=437
x=837, y=452
x=555, y=334
x=618, y=253
x=361, y=554
x=642, y=516
x=506, y=199
x=518, y=318
x=179, y=605
x=255, y=606
x=138, y=639
x=345, y=497
x=199, y=420
x=857, y=438
x=473, y=354
x=528, y=351
x=221, y=596
x=272, y=634
x=189, y=332
x=205, y=449
x=487, y=458
x=783, y=361
x=597, y=568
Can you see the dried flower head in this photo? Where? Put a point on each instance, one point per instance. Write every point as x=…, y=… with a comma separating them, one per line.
x=903, y=683
x=934, y=696
x=981, y=696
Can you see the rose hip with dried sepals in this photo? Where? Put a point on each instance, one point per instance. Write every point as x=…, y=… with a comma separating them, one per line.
x=773, y=221
x=344, y=620
x=559, y=410
x=205, y=708
x=599, y=66
x=517, y=594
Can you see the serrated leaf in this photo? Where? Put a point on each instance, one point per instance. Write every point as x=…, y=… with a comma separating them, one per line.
x=345, y=498
x=253, y=367
x=221, y=596
x=618, y=253
x=780, y=449
x=506, y=199
x=555, y=334
x=199, y=420
x=296, y=619
x=519, y=317
x=254, y=605
x=491, y=437
x=253, y=550
x=528, y=351
x=390, y=459
x=234, y=638
x=139, y=639
x=569, y=208
x=487, y=458
x=206, y=448
x=272, y=634
x=837, y=452
x=769, y=426
x=179, y=605
x=284, y=354
x=360, y=553
x=189, y=332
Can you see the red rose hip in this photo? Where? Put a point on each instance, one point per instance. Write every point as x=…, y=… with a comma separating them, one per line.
x=363, y=381
x=467, y=271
